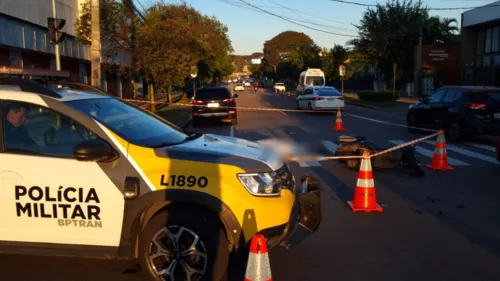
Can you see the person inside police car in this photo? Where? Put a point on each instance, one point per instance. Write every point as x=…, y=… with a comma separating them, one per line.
x=15, y=132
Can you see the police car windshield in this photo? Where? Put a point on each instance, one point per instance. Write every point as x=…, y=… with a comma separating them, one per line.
x=130, y=123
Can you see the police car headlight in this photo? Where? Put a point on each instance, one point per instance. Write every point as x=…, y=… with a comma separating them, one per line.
x=261, y=184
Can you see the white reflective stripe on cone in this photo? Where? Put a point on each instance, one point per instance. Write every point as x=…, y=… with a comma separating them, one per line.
x=258, y=268
x=365, y=183
x=440, y=150
x=366, y=165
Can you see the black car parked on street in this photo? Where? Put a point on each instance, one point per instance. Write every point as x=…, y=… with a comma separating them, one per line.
x=460, y=111
x=214, y=103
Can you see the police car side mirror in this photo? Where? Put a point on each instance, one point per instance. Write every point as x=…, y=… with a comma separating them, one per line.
x=94, y=150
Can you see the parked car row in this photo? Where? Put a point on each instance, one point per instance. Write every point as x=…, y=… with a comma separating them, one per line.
x=461, y=111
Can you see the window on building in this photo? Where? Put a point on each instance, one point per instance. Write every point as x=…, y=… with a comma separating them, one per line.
x=494, y=40
x=496, y=61
x=487, y=44
x=486, y=61
x=480, y=42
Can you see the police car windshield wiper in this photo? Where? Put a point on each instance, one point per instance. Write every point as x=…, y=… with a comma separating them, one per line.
x=190, y=137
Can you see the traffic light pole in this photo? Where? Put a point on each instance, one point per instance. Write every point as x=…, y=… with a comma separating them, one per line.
x=56, y=46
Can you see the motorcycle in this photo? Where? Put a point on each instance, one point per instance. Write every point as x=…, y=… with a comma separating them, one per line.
x=356, y=145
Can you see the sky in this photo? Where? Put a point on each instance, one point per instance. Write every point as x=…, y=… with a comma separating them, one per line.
x=250, y=28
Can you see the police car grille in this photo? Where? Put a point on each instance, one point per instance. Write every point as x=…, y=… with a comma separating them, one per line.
x=284, y=174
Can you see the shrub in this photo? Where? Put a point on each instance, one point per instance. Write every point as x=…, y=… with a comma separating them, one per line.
x=372, y=95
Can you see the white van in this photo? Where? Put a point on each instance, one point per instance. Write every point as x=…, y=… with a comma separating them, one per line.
x=310, y=77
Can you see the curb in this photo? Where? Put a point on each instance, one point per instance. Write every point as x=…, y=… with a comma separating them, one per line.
x=362, y=105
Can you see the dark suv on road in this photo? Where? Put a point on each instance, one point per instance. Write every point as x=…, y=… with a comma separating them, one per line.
x=459, y=110
x=214, y=103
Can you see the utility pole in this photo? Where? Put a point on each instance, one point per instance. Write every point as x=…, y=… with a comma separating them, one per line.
x=56, y=46
x=95, y=51
x=419, y=63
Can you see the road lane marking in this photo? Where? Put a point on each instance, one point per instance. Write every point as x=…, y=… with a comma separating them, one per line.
x=430, y=154
x=482, y=146
x=468, y=153
x=330, y=146
x=231, y=131
x=268, y=103
x=283, y=113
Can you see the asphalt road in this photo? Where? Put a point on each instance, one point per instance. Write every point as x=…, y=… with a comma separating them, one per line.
x=445, y=226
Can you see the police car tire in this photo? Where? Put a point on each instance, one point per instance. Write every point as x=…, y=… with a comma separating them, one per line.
x=205, y=226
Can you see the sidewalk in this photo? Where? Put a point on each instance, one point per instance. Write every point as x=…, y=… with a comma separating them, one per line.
x=178, y=115
x=353, y=95
x=399, y=106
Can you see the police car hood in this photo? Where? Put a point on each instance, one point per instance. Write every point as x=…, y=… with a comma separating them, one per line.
x=250, y=156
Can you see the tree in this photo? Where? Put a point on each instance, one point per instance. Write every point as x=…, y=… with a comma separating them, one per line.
x=288, y=53
x=440, y=30
x=285, y=46
x=115, y=25
x=334, y=58
x=174, y=38
x=388, y=34
x=218, y=45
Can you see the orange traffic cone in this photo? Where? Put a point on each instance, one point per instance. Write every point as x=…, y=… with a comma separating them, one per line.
x=364, y=193
x=440, y=157
x=339, y=126
x=258, y=266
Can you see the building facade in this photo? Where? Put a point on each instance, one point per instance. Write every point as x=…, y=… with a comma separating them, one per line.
x=24, y=42
x=480, y=40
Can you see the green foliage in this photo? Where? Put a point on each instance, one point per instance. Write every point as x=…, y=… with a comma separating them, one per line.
x=388, y=34
x=115, y=23
x=240, y=62
x=285, y=46
x=176, y=37
x=380, y=96
x=288, y=53
x=337, y=56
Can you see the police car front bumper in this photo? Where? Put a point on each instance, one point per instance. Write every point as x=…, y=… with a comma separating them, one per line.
x=304, y=220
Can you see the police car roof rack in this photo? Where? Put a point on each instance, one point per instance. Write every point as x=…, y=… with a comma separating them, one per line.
x=16, y=76
x=27, y=85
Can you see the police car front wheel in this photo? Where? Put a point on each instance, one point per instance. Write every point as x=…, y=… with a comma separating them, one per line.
x=181, y=244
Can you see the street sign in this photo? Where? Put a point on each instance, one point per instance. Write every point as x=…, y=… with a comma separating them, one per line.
x=194, y=72
x=342, y=70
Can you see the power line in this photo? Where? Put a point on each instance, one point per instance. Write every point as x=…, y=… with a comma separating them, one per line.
x=431, y=9
x=243, y=6
x=291, y=21
x=240, y=5
x=299, y=13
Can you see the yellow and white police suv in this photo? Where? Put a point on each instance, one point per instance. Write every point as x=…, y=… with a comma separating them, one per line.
x=86, y=174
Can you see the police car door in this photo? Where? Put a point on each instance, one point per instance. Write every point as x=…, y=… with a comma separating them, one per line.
x=47, y=196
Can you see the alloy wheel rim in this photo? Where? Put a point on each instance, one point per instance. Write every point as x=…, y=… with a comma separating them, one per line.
x=177, y=253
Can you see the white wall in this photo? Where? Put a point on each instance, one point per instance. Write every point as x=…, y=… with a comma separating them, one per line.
x=480, y=15
x=37, y=11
